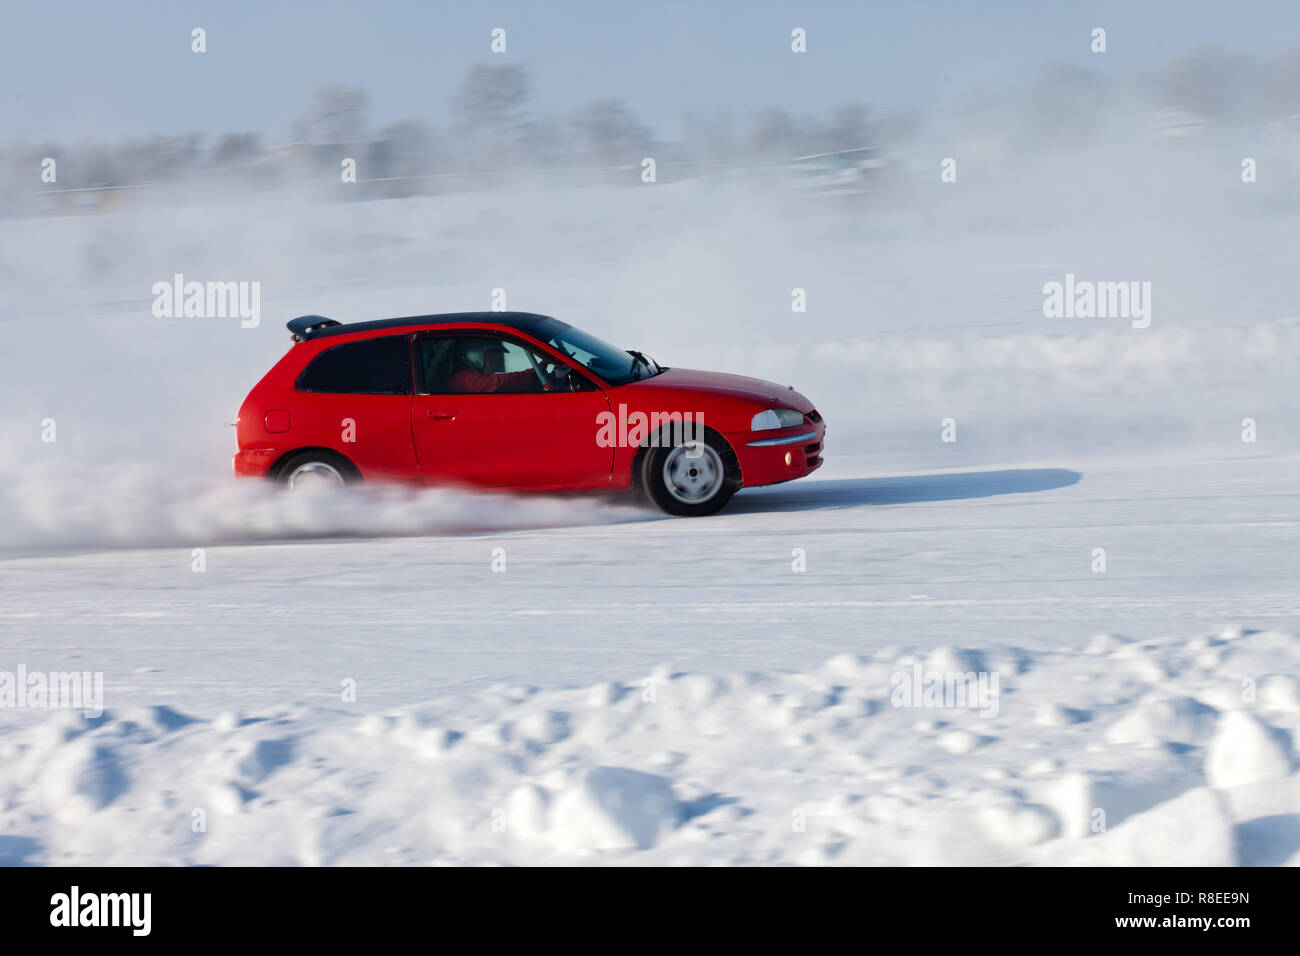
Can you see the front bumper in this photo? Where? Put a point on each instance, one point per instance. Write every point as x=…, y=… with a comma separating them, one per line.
x=786, y=440
x=769, y=457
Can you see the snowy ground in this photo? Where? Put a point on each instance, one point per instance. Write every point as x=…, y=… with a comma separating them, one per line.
x=347, y=680
x=1115, y=753
x=749, y=713
x=967, y=558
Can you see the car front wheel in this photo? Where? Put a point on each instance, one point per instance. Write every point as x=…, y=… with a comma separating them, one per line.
x=692, y=479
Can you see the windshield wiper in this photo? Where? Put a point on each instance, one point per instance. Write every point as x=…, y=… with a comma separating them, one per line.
x=647, y=362
x=638, y=357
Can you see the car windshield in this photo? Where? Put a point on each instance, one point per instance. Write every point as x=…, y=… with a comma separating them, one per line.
x=612, y=364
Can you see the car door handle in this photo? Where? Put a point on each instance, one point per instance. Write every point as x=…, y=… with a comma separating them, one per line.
x=441, y=416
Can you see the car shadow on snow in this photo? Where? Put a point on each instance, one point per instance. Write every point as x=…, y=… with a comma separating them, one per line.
x=909, y=489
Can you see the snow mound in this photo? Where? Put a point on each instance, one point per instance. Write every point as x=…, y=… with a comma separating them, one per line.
x=1194, y=829
x=1080, y=763
x=613, y=808
x=1244, y=751
x=1182, y=720
x=84, y=777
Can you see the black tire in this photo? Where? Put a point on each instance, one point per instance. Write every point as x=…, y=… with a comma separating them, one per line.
x=320, y=461
x=703, y=491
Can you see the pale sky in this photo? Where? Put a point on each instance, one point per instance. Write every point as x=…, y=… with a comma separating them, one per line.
x=102, y=70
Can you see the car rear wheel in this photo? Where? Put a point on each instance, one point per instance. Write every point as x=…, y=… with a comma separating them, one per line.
x=692, y=479
x=318, y=469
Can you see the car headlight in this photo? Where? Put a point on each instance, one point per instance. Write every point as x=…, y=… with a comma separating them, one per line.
x=775, y=418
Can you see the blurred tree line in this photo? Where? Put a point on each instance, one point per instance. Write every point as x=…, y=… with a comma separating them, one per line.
x=494, y=130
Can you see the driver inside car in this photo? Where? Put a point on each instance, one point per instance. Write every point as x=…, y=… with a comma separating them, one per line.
x=481, y=368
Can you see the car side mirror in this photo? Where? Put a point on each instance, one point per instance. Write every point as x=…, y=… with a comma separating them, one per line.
x=570, y=379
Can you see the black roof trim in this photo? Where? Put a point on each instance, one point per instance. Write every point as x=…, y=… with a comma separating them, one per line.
x=515, y=320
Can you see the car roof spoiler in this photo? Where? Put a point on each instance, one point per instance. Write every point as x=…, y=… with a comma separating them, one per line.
x=302, y=327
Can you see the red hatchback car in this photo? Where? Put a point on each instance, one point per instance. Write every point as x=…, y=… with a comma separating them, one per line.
x=516, y=401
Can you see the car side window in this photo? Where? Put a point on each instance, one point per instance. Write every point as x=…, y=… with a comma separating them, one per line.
x=514, y=358
x=378, y=366
x=436, y=356
x=478, y=364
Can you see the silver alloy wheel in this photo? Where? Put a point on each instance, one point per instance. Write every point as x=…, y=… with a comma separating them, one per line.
x=316, y=474
x=693, y=480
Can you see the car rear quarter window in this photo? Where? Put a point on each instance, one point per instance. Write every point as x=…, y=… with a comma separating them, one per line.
x=379, y=366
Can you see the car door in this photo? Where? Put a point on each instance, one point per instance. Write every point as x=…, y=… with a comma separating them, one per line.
x=355, y=398
x=531, y=439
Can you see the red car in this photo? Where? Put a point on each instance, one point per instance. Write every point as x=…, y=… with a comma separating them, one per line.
x=516, y=401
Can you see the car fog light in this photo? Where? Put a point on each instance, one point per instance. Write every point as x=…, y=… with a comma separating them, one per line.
x=789, y=458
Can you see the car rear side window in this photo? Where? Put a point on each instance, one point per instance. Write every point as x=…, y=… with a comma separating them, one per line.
x=379, y=366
